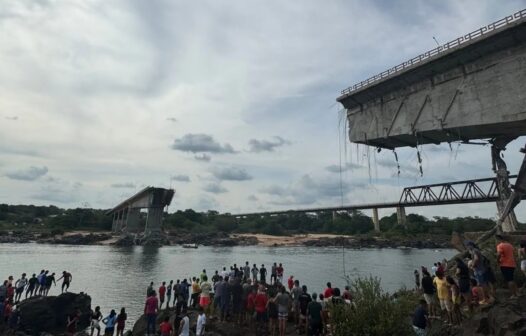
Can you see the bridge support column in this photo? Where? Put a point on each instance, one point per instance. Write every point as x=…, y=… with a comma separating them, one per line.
x=334, y=215
x=153, y=221
x=133, y=219
x=509, y=224
x=400, y=216
x=376, y=220
x=114, y=223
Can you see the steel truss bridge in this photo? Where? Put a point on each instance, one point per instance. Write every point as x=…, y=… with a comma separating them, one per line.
x=460, y=192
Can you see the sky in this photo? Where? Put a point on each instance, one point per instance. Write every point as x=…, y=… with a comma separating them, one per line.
x=232, y=103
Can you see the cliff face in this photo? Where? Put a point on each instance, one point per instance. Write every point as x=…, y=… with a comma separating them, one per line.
x=506, y=318
x=49, y=313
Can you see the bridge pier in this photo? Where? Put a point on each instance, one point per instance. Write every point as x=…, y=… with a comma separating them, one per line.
x=400, y=216
x=376, y=220
x=509, y=224
x=132, y=220
x=153, y=221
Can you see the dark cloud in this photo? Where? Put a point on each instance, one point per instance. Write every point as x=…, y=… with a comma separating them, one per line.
x=201, y=143
x=30, y=174
x=125, y=185
x=203, y=157
x=172, y=119
x=348, y=166
x=231, y=174
x=257, y=146
x=252, y=198
x=13, y=118
x=215, y=188
x=181, y=178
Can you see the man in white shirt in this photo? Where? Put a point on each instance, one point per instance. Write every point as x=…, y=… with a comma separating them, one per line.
x=201, y=322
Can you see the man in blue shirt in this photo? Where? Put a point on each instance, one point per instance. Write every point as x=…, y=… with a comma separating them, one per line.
x=420, y=319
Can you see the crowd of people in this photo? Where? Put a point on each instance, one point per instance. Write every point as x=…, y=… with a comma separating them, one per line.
x=12, y=292
x=243, y=297
x=451, y=289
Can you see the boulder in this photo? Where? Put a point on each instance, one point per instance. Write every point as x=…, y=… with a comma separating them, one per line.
x=49, y=313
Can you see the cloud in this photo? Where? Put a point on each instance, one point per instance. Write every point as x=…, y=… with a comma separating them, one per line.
x=348, y=166
x=172, y=119
x=180, y=178
x=203, y=157
x=231, y=174
x=252, y=198
x=215, y=188
x=308, y=190
x=13, y=118
x=30, y=174
x=201, y=143
x=392, y=164
x=125, y=185
x=258, y=146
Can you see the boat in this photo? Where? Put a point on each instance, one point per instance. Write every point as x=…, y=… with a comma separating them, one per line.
x=194, y=246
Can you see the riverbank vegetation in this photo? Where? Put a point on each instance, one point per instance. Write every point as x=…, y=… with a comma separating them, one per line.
x=51, y=217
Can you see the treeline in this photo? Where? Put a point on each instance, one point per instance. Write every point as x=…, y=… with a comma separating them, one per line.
x=356, y=222
x=52, y=217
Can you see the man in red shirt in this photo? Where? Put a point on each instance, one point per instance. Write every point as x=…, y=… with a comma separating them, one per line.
x=507, y=263
x=290, y=282
x=166, y=327
x=328, y=291
x=279, y=271
x=162, y=292
x=150, y=310
x=260, y=305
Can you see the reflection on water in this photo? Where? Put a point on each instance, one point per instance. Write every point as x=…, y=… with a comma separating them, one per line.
x=117, y=277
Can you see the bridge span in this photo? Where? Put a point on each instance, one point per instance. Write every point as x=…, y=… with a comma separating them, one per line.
x=459, y=192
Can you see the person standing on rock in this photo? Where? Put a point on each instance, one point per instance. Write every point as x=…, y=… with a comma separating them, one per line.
x=42, y=282
x=225, y=297
x=481, y=271
x=184, y=326
x=215, y=278
x=32, y=284
x=263, y=274
x=255, y=272
x=162, y=293
x=421, y=319
x=279, y=272
x=314, y=317
x=50, y=280
x=149, y=290
x=273, y=273
x=39, y=281
x=3, y=292
x=110, y=322
x=96, y=317
x=166, y=328
x=20, y=285
x=169, y=293
x=66, y=281
x=507, y=263
x=246, y=271
x=201, y=323
x=176, y=290
x=204, y=298
x=121, y=321
x=150, y=310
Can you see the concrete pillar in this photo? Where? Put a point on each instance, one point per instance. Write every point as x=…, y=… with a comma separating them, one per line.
x=114, y=223
x=133, y=220
x=376, y=220
x=153, y=221
x=334, y=215
x=400, y=216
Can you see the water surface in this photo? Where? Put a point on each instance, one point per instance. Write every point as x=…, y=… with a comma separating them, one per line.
x=117, y=277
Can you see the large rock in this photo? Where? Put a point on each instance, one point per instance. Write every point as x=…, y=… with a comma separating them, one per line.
x=49, y=313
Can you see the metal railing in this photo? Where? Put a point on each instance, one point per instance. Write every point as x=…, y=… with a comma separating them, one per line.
x=477, y=34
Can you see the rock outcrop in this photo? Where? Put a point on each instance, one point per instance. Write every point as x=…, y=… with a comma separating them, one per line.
x=49, y=313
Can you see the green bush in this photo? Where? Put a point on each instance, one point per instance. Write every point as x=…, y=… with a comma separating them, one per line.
x=375, y=312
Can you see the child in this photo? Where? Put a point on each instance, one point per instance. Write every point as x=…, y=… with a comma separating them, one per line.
x=455, y=296
x=166, y=327
x=444, y=295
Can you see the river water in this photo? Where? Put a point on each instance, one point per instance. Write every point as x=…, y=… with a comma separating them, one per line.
x=117, y=277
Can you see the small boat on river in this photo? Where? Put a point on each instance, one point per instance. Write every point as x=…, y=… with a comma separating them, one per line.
x=193, y=246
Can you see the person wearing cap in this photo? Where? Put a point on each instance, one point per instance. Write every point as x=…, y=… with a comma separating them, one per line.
x=507, y=263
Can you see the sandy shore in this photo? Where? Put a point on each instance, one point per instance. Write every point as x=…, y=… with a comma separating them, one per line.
x=294, y=240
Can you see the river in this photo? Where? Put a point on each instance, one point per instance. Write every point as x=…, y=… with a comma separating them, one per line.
x=117, y=277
